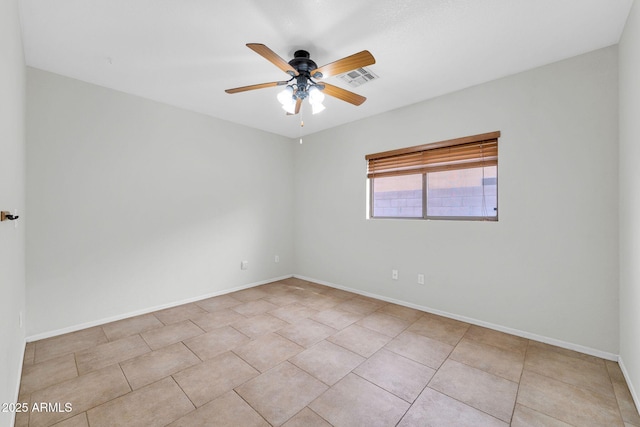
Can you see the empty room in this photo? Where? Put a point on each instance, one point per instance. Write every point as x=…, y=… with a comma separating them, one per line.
x=320, y=213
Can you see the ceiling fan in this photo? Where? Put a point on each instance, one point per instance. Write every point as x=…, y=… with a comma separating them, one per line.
x=302, y=71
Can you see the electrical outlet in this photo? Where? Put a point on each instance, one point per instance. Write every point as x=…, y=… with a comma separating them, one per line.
x=394, y=274
x=420, y=279
x=277, y=258
x=244, y=265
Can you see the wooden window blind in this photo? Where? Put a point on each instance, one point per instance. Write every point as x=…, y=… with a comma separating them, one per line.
x=461, y=153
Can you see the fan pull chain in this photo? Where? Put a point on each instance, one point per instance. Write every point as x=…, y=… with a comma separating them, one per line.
x=301, y=126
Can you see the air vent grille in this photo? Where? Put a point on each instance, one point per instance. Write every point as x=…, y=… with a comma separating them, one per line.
x=358, y=77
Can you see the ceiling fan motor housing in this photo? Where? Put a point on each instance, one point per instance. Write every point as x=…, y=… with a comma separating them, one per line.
x=302, y=63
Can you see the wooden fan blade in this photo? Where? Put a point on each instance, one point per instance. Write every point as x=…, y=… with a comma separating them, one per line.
x=298, y=104
x=343, y=94
x=357, y=60
x=272, y=57
x=253, y=87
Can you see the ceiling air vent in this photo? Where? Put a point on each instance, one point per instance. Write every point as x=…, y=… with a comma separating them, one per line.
x=358, y=77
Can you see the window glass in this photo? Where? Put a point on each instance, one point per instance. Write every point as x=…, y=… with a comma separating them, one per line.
x=463, y=193
x=398, y=196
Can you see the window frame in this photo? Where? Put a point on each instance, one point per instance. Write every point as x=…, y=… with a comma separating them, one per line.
x=491, y=137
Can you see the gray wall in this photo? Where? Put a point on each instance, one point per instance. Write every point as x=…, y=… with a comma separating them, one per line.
x=134, y=204
x=548, y=268
x=12, y=194
x=630, y=202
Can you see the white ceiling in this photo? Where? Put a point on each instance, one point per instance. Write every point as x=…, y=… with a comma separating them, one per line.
x=186, y=52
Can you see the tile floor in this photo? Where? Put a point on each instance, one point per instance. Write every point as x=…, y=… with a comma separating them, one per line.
x=296, y=353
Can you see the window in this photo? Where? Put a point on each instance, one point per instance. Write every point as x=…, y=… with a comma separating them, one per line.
x=455, y=179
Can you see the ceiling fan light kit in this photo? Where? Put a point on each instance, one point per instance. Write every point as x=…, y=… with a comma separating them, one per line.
x=301, y=85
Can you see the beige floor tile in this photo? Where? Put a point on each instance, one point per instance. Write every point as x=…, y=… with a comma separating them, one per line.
x=527, y=417
x=131, y=326
x=292, y=313
x=558, y=387
x=449, y=331
x=339, y=293
x=327, y=362
x=218, y=341
x=259, y=325
x=29, y=354
x=157, y=364
x=307, y=286
x=79, y=420
x=568, y=403
x=45, y=374
x=293, y=281
x=213, y=378
x=486, y=392
x=68, y=343
x=385, y=324
x=354, y=401
x=497, y=339
x=179, y=313
x=336, y=318
x=83, y=392
x=438, y=410
x=358, y=306
x=396, y=374
x=284, y=299
x=21, y=418
x=321, y=302
x=310, y=289
x=306, y=332
x=565, y=352
x=571, y=370
x=281, y=392
x=402, y=312
x=249, y=294
x=106, y=354
x=614, y=371
x=252, y=308
x=154, y=405
x=229, y=410
x=217, y=319
x=505, y=364
x=275, y=288
x=306, y=418
x=301, y=293
x=360, y=340
x=628, y=408
x=378, y=303
x=171, y=334
x=267, y=351
x=218, y=303
x=422, y=349
x=316, y=287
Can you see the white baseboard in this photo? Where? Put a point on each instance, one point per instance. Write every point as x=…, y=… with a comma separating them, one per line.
x=523, y=334
x=634, y=394
x=103, y=321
